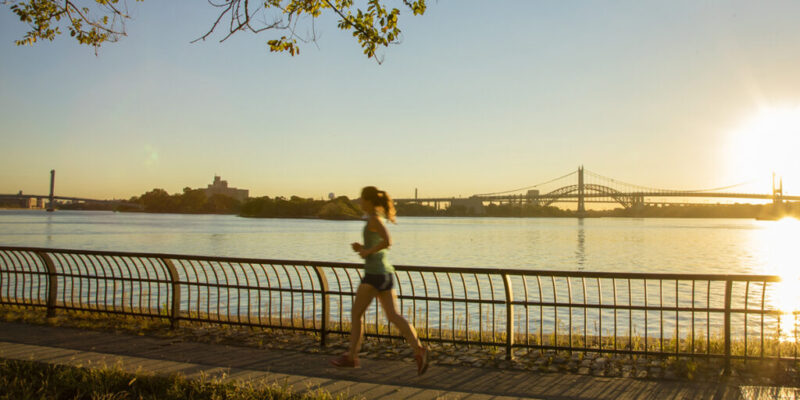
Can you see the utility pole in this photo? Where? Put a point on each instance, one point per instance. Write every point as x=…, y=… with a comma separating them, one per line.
x=51, y=205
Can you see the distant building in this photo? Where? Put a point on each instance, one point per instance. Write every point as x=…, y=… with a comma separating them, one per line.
x=221, y=187
x=472, y=205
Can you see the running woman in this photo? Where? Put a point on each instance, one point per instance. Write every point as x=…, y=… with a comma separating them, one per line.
x=378, y=280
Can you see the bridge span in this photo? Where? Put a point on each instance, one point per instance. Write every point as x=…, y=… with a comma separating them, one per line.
x=607, y=190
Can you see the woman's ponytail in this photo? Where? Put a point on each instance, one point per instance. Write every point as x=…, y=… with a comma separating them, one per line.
x=381, y=199
x=388, y=205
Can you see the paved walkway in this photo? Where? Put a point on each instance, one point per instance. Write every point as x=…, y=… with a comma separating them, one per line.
x=383, y=379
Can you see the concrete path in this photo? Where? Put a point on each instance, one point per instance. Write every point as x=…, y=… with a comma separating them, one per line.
x=382, y=379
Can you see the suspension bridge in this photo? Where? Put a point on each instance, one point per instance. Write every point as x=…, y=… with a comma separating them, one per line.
x=583, y=186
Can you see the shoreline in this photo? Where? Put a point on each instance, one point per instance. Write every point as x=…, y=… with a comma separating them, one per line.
x=347, y=218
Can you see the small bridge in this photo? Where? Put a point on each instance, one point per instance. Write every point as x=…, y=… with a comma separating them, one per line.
x=52, y=199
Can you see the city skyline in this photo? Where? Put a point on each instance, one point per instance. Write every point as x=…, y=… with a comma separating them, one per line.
x=677, y=96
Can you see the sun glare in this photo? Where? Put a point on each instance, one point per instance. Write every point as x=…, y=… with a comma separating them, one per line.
x=768, y=142
x=781, y=244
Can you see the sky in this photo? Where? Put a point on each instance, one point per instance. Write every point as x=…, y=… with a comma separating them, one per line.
x=478, y=97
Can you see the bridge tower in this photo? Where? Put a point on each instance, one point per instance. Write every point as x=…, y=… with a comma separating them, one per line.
x=51, y=206
x=581, y=193
x=777, y=191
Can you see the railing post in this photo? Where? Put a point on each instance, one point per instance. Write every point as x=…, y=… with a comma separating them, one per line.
x=175, y=310
x=509, y=317
x=326, y=306
x=728, y=289
x=52, y=281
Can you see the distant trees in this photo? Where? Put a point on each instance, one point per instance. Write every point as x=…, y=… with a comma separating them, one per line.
x=298, y=207
x=191, y=201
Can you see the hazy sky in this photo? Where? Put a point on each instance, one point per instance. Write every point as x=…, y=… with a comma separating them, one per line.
x=479, y=97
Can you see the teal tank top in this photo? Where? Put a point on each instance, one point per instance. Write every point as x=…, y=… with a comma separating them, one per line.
x=376, y=263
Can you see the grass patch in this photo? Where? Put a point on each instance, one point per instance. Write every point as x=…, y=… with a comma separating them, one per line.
x=34, y=380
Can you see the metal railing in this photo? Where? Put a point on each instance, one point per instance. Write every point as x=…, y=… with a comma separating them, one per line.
x=700, y=315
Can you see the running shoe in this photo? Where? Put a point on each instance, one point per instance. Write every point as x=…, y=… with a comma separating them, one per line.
x=422, y=360
x=345, y=362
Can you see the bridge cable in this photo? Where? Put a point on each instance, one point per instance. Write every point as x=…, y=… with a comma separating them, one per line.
x=528, y=187
x=645, y=188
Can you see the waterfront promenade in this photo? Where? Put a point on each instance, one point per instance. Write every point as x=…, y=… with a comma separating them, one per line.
x=385, y=379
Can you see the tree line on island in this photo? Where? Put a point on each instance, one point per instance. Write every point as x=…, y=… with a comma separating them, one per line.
x=195, y=201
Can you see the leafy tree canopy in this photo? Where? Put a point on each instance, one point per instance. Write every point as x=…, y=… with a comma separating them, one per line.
x=93, y=22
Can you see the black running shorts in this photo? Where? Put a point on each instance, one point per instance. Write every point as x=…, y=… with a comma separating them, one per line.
x=382, y=282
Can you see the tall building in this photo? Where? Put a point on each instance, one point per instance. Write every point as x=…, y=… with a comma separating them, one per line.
x=221, y=187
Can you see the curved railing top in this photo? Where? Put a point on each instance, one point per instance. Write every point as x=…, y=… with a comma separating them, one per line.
x=414, y=268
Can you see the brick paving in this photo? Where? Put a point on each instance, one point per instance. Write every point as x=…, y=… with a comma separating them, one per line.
x=384, y=379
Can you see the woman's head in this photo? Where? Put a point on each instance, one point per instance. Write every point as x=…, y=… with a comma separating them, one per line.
x=380, y=200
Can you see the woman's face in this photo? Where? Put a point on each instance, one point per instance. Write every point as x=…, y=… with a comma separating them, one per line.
x=366, y=205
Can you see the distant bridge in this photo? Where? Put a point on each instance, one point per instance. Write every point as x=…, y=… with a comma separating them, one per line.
x=603, y=190
x=52, y=199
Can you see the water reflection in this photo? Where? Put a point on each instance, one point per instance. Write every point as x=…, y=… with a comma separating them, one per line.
x=580, y=253
x=779, y=242
x=48, y=230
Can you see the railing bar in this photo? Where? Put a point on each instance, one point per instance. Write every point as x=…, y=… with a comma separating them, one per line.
x=269, y=297
x=569, y=299
x=7, y=272
x=480, y=307
x=114, y=282
x=763, y=294
x=126, y=284
x=616, y=321
x=779, y=336
x=495, y=271
x=280, y=279
x=439, y=294
x=555, y=309
x=677, y=320
x=630, y=316
x=466, y=307
x=541, y=311
x=453, y=306
x=313, y=299
x=527, y=310
x=202, y=267
x=693, y=316
x=149, y=285
x=494, y=313
x=254, y=273
x=599, y=313
x=341, y=297
x=661, y=314
x=427, y=303
x=17, y=282
x=80, y=281
x=708, y=318
x=27, y=279
x=746, y=298
x=235, y=273
x=646, y=325
x=214, y=266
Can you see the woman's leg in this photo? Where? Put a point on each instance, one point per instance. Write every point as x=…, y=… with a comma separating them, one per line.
x=364, y=296
x=388, y=299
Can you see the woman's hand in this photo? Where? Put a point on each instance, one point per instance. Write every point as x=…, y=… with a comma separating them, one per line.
x=363, y=252
x=356, y=246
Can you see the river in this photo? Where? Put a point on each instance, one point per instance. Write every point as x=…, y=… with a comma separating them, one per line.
x=597, y=244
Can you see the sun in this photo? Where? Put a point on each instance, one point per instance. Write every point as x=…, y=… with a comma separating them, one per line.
x=768, y=142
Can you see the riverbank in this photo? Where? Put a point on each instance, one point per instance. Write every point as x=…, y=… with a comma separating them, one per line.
x=380, y=377
x=596, y=364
